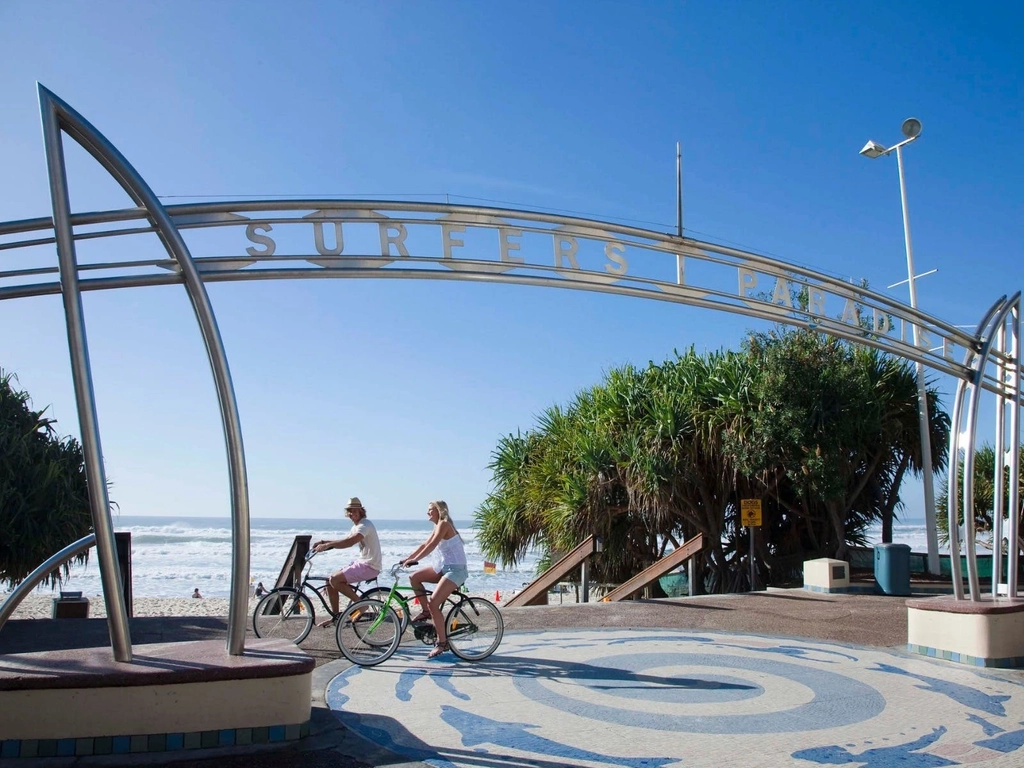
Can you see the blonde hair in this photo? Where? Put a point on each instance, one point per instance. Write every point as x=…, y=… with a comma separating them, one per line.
x=442, y=510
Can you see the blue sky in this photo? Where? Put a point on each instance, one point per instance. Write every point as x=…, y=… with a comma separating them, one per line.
x=397, y=391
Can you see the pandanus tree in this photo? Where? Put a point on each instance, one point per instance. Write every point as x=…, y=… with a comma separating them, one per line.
x=44, y=504
x=822, y=431
x=834, y=431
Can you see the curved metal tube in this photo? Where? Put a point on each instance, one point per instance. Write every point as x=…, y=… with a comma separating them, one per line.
x=904, y=351
x=55, y=561
x=115, y=163
x=953, y=491
x=657, y=240
x=998, y=470
x=968, y=493
x=972, y=427
x=953, y=494
x=1014, y=504
x=81, y=374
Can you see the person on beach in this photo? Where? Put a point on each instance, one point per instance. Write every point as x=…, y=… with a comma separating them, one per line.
x=260, y=589
x=195, y=593
x=364, y=568
x=450, y=574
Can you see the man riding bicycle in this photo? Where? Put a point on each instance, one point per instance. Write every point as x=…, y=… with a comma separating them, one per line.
x=365, y=567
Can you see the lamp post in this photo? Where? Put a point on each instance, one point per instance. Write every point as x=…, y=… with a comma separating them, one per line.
x=911, y=130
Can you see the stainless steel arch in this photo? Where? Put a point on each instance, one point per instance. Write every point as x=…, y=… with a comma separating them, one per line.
x=57, y=116
x=393, y=241
x=868, y=317
x=953, y=485
x=991, y=331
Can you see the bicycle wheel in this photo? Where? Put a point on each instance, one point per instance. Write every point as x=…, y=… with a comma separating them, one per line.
x=474, y=628
x=398, y=605
x=285, y=613
x=368, y=632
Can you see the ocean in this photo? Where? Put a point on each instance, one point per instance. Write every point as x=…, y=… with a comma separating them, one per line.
x=171, y=556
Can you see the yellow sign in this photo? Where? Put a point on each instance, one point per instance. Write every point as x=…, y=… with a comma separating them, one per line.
x=750, y=512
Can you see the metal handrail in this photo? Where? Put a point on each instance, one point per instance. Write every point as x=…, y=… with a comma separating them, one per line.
x=55, y=561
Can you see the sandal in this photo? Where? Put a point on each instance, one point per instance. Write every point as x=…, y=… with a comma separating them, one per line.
x=420, y=617
x=439, y=648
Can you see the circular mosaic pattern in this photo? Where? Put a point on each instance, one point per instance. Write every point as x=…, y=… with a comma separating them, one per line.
x=663, y=697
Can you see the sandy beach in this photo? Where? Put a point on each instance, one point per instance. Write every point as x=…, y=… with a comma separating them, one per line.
x=40, y=606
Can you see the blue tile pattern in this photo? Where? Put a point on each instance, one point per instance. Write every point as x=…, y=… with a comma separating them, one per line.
x=652, y=698
x=149, y=742
x=1006, y=662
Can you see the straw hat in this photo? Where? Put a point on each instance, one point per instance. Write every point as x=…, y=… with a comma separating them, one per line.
x=355, y=503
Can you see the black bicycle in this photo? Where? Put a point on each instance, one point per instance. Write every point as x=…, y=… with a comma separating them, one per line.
x=287, y=612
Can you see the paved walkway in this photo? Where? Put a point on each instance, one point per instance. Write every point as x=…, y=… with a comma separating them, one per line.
x=778, y=678
x=637, y=698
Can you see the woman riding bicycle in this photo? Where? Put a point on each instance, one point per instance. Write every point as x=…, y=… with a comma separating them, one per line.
x=450, y=573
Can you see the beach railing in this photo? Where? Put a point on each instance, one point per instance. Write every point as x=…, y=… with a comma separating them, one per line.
x=536, y=593
x=660, y=568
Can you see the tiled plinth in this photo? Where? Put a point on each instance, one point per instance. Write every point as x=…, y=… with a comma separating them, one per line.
x=169, y=696
x=987, y=633
x=827, y=575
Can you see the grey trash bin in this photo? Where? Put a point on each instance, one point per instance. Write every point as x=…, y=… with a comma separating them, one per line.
x=892, y=569
x=70, y=605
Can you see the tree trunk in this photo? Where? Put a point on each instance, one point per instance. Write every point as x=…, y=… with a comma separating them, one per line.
x=838, y=529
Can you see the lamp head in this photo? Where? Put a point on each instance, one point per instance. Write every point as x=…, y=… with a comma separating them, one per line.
x=873, y=149
x=911, y=128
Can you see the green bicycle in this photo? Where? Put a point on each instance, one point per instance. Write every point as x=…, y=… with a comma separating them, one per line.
x=369, y=631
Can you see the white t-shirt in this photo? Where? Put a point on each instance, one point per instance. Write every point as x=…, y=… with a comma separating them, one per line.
x=369, y=547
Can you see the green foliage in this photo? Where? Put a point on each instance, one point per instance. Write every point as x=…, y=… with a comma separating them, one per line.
x=822, y=431
x=44, y=503
x=984, y=498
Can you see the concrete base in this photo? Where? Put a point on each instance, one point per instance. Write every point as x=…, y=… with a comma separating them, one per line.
x=988, y=633
x=826, y=575
x=171, y=696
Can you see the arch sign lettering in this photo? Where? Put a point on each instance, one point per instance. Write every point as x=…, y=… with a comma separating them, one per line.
x=275, y=239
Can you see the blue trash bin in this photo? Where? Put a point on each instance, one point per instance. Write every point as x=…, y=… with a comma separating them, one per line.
x=892, y=569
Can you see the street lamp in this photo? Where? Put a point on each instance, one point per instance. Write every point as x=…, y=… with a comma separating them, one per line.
x=911, y=130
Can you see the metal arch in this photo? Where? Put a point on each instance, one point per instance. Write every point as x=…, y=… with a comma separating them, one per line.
x=830, y=327
x=99, y=501
x=953, y=489
x=1014, y=501
x=21, y=591
x=370, y=212
x=168, y=222
x=995, y=322
x=197, y=215
x=58, y=115
x=953, y=485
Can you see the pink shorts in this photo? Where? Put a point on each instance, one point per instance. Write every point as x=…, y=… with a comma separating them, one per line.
x=358, y=571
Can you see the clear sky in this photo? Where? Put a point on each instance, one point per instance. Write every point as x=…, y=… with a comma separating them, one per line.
x=397, y=391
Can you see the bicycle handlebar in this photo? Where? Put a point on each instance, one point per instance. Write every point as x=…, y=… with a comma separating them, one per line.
x=399, y=566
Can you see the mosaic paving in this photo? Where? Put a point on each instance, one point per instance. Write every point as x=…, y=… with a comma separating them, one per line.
x=666, y=698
